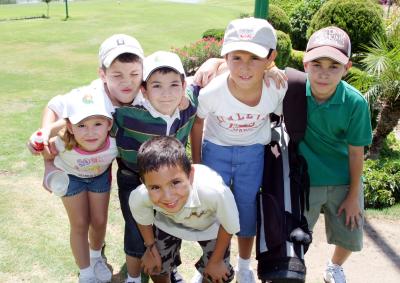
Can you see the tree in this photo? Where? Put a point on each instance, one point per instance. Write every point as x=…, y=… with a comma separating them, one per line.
x=48, y=7
x=381, y=83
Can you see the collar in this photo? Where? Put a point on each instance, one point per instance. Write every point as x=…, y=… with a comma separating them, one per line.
x=337, y=98
x=140, y=100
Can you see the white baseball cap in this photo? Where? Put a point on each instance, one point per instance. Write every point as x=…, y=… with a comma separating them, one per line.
x=116, y=45
x=85, y=102
x=161, y=59
x=253, y=35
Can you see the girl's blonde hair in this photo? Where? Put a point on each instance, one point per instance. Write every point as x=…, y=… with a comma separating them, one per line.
x=67, y=137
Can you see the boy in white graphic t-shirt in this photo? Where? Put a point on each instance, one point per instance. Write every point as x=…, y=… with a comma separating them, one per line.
x=236, y=107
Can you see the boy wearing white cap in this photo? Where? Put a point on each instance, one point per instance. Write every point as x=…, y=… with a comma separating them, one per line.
x=120, y=71
x=338, y=128
x=155, y=113
x=236, y=106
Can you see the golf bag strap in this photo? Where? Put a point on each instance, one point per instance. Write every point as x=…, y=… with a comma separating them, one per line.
x=295, y=105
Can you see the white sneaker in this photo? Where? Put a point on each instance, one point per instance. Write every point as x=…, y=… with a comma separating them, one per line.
x=197, y=277
x=101, y=271
x=334, y=273
x=244, y=276
x=87, y=280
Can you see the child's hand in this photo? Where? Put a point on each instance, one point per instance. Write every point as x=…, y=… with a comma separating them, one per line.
x=50, y=149
x=352, y=211
x=151, y=261
x=31, y=142
x=217, y=272
x=277, y=75
x=184, y=103
x=207, y=71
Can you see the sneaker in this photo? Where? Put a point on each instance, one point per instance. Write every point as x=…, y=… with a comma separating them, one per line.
x=245, y=276
x=87, y=280
x=176, y=277
x=197, y=278
x=101, y=271
x=334, y=273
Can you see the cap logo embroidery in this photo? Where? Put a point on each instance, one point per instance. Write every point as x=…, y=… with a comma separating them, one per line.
x=87, y=99
x=120, y=41
x=246, y=34
x=331, y=37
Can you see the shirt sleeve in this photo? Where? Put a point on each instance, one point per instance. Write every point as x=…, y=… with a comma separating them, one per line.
x=206, y=103
x=141, y=207
x=280, y=95
x=57, y=105
x=225, y=206
x=359, y=132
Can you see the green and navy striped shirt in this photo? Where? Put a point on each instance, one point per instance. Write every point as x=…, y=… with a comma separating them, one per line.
x=134, y=124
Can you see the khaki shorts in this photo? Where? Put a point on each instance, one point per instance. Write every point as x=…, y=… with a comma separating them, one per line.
x=328, y=200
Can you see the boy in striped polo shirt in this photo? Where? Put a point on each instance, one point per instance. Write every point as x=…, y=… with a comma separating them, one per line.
x=155, y=113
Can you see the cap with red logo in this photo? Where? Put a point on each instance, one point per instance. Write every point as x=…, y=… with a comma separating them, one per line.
x=253, y=35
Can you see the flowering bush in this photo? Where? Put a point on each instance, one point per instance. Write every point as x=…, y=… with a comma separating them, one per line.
x=197, y=53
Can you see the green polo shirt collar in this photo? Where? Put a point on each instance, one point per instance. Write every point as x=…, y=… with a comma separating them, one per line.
x=337, y=98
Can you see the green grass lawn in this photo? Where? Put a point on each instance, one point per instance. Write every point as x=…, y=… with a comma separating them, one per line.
x=44, y=57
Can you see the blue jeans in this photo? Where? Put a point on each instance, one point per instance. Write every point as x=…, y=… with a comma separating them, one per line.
x=241, y=168
x=98, y=184
x=133, y=241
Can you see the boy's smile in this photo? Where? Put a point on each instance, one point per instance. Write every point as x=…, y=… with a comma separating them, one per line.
x=324, y=75
x=164, y=91
x=169, y=187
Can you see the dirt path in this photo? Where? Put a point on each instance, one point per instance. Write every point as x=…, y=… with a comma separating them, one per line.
x=378, y=262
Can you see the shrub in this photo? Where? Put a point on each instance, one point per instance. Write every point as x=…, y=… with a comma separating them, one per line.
x=300, y=19
x=278, y=19
x=287, y=5
x=361, y=19
x=382, y=182
x=382, y=177
x=296, y=60
x=218, y=34
x=284, y=48
x=197, y=53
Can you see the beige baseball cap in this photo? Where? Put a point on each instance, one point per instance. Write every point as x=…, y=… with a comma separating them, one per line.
x=116, y=45
x=330, y=42
x=161, y=59
x=253, y=35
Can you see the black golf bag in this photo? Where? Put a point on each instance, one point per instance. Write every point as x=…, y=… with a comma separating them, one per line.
x=283, y=236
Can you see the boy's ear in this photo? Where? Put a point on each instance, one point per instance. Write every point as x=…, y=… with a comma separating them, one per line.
x=102, y=74
x=305, y=65
x=272, y=56
x=347, y=67
x=144, y=91
x=191, y=174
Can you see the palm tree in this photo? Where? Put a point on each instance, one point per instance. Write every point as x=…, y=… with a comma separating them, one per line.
x=380, y=82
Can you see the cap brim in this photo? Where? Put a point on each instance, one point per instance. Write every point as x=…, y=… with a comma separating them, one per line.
x=121, y=50
x=75, y=119
x=251, y=47
x=147, y=75
x=326, y=52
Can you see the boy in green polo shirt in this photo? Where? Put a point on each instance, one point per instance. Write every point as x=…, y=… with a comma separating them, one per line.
x=338, y=128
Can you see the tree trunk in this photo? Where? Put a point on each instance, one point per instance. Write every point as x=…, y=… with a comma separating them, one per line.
x=387, y=118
